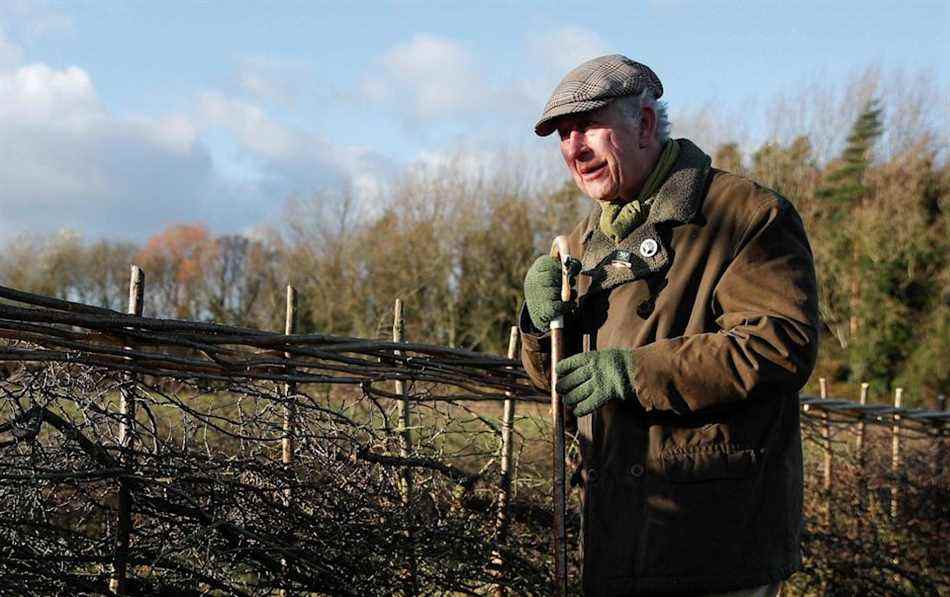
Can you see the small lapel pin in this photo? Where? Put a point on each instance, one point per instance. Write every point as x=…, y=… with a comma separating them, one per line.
x=648, y=247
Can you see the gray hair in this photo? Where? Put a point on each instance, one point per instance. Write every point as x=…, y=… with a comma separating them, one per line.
x=630, y=106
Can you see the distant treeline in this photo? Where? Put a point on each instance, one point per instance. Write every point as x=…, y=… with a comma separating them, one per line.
x=455, y=246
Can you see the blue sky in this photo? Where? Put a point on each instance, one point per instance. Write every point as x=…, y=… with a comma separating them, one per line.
x=118, y=118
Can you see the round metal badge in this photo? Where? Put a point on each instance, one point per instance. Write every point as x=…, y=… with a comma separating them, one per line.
x=648, y=247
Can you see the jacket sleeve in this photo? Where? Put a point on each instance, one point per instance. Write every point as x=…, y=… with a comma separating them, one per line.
x=767, y=310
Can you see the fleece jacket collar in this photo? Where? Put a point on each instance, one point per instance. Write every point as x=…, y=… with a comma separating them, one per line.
x=643, y=251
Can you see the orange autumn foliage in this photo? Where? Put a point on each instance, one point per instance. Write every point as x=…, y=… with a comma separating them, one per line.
x=176, y=260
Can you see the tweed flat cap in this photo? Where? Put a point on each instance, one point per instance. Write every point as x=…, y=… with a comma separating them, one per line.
x=593, y=84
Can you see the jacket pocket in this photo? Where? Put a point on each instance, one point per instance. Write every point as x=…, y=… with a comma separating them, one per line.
x=709, y=463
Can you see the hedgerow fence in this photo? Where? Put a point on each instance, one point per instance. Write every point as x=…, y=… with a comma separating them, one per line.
x=154, y=456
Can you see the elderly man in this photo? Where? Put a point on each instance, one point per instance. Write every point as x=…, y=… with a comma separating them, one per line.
x=697, y=288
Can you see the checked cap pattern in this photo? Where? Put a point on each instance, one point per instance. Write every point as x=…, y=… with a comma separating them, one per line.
x=593, y=84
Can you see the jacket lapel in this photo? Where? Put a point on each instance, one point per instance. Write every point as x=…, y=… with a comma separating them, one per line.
x=643, y=252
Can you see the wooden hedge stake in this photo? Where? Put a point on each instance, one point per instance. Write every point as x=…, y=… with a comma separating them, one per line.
x=941, y=451
x=860, y=502
x=119, y=583
x=859, y=442
x=828, y=457
x=405, y=448
x=505, y=483
x=287, y=442
x=402, y=406
x=290, y=411
x=896, y=454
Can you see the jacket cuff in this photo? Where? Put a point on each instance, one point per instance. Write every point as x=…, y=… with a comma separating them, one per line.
x=532, y=338
x=652, y=381
x=639, y=359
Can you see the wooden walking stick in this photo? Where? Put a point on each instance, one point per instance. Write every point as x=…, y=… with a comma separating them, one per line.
x=559, y=248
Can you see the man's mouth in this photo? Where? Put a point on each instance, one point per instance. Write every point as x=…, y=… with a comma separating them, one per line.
x=591, y=172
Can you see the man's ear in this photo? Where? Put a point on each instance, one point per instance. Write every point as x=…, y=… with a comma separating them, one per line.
x=647, y=126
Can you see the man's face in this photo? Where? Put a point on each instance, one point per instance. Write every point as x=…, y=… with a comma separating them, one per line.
x=602, y=150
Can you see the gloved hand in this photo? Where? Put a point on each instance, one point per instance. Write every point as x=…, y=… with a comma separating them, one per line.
x=592, y=378
x=542, y=290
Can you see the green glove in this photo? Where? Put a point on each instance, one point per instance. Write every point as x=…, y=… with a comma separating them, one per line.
x=589, y=379
x=542, y=290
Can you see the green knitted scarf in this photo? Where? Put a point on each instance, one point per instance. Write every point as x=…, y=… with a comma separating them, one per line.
x=617, y=220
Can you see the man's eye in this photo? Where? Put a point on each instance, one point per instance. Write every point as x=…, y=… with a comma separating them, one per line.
x=566, y=132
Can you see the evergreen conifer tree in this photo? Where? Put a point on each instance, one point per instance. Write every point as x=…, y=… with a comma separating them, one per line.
x=840, y=195
x=844, y=186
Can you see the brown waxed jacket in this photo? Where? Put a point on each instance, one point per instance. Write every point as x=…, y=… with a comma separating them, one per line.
x=697, y=483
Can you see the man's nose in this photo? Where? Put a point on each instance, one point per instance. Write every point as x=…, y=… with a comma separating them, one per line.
x=576, y=144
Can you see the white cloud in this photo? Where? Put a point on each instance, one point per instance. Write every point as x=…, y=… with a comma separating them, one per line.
x=375, y=89
x=435, y=76
x=562, y=49
x=250, y=124
x=291, y=161
x=258, y=85
x=553, y=54
x=430, y=80
x=69, y=162
x=176, y=132
x=268, y=79
x=36, y=94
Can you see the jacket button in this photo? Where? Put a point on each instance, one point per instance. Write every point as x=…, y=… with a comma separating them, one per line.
x=591, y=475
x=636, y=470
x=645, y=308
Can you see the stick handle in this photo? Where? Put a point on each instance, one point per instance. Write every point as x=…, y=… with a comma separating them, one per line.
x=560, y=249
